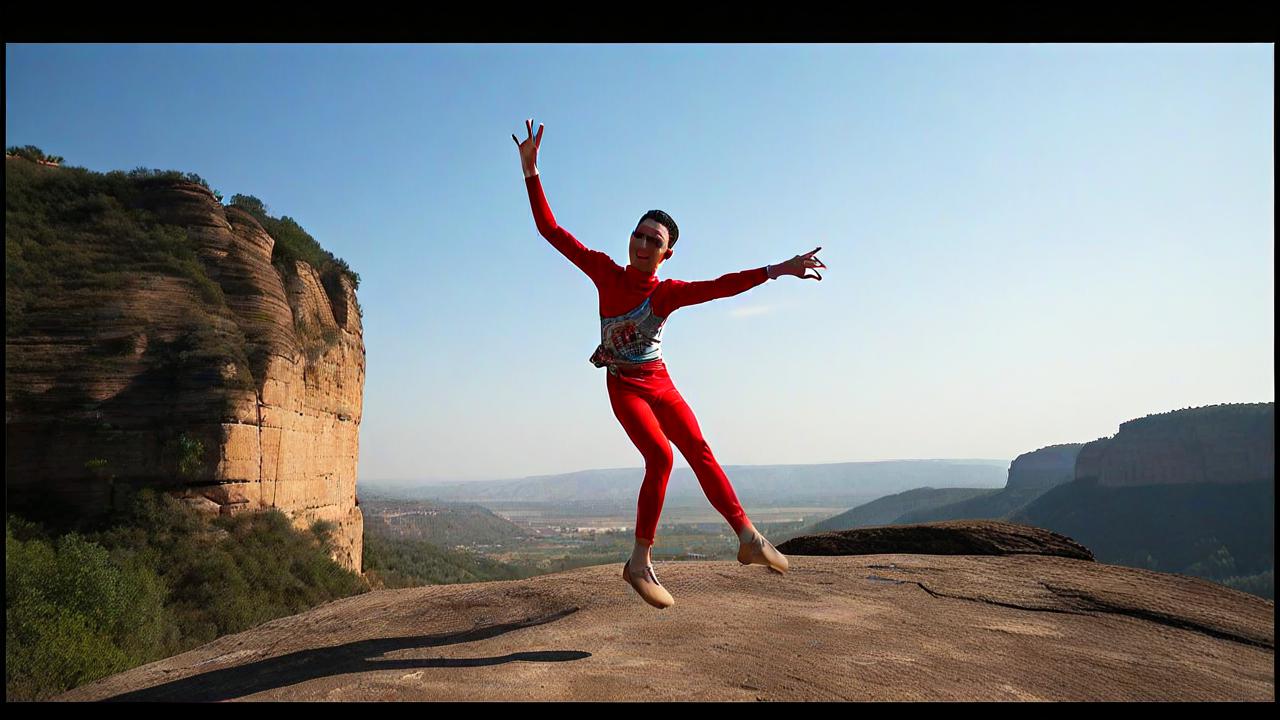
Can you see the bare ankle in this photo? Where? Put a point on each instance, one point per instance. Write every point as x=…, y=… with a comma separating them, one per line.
x=642, y=553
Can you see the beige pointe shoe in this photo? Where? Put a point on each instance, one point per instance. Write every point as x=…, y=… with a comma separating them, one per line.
x=648, y=587
x=759, y=551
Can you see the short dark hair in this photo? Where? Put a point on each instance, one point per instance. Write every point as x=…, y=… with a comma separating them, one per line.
x=663, y=219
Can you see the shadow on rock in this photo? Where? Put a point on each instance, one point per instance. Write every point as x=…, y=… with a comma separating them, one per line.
x=281, y=671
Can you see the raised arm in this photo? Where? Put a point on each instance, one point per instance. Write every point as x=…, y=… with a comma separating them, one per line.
x=592, y=262
x=676, y=294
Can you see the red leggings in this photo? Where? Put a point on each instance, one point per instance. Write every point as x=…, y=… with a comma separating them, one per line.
x=651, y=410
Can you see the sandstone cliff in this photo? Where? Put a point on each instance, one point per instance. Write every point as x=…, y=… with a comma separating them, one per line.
x=1044, y=468
x=267, y=375
x=1232, y=443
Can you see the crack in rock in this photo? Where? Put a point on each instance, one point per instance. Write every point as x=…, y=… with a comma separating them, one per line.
x=1094, y=603
x=1097, y=605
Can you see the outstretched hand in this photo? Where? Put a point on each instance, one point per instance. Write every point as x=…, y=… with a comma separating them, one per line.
x=800, y=264
x=529, y=148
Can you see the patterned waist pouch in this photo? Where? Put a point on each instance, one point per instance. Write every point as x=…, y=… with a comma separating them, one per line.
x=602, y=357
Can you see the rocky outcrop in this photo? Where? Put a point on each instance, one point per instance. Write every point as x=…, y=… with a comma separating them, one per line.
x=268, y=378
x=1044, y=468
x=868, y=627
x=951, y=537
x=1213, y=444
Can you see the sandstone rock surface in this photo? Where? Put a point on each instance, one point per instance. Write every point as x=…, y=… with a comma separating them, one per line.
x=865, y=627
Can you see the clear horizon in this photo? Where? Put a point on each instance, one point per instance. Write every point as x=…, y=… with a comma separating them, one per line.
x=1027, y=244
x=430, y=481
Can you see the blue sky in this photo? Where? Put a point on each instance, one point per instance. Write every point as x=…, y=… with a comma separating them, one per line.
x=1027, y=244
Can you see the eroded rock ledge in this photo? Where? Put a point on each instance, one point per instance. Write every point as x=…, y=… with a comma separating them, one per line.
x=952, y=537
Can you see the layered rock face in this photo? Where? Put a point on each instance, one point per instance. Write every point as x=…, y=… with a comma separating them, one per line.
x=277, y=415
x=1044, y=468
x=1215, y=444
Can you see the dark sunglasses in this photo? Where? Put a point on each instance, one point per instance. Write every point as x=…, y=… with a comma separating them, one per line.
x=657, y=241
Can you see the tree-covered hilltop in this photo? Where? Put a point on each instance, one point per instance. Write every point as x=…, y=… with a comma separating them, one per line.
x=1222, y=412
x=71, y=232
x=31, y=152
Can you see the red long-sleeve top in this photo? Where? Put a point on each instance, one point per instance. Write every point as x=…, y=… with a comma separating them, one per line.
x=634, y=304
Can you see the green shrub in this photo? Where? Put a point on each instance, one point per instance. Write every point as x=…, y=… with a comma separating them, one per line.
x=31, y=152
x=153, y=580
x=393, y=562
x=73, y=614
x=1262, y=584
x=151, y=176
x=186, y=455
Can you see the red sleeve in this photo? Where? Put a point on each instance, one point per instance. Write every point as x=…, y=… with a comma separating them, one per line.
x=594, y=263
x=678, y=293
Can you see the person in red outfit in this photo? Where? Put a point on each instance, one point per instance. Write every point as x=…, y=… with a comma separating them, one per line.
x=634, y=307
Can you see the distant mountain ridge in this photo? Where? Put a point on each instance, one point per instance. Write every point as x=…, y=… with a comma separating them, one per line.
x=1229, y=443
x=832, y=483
x=1029, y=475
x=1190, y=491
x=886, y=510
